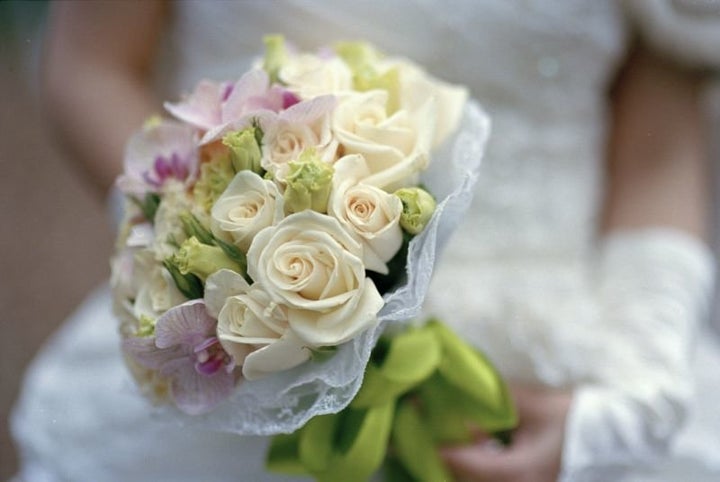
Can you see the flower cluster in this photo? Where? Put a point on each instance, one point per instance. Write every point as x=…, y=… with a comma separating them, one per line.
x=259, y=218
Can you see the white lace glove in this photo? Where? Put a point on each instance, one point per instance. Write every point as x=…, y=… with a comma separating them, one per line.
x=654, y=290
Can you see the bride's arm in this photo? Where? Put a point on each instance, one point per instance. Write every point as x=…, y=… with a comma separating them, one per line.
x=96, y=78
x=657, y=179
x=657, y=170
x=655, y=272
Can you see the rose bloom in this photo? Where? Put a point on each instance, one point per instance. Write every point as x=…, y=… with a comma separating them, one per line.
x=417, y=86
x=292, y=131
x=251, y=327
x=369, y=212
x=247, y=205
x=254, y=330
x=396, y=146
x=310, y=76
x=313, y=266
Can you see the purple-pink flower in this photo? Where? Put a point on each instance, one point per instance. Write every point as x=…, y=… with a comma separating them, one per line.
x=157, y=154
x=186, y=352
x=218, y=107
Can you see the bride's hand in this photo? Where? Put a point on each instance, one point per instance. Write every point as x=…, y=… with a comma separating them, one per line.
x=534, y=454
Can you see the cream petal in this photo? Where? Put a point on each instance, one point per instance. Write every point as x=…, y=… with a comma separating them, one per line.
x=220, y=286
x=287, y=352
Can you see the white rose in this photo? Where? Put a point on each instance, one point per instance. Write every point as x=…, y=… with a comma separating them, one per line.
x=289, y=133
x=310, y=76
x=396, y=147
x=254, y=330
x=369, y=212
x=417, y=86
x=310, y=264
x=248, y=205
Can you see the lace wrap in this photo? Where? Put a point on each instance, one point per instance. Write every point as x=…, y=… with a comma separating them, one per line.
x=287, y=400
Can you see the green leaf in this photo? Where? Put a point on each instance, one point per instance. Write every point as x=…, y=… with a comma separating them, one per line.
x=322, y=353
x=284, y=455
x=188, y=284
x=358, y=457
x=415, y=447
x=316, y=442
x=411, y=357
x=468, y=370
x=445, y=421
x=148, y=205
x=396, y=268
x=394, y=471
x=235, y=254
x=439, y=394
x=193, y=227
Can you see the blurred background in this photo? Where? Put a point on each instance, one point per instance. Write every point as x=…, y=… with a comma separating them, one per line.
x=55, y=237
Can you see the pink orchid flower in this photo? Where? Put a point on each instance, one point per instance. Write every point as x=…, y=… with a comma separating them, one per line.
x=186, y=351
x=157, y=154
x=218, y=107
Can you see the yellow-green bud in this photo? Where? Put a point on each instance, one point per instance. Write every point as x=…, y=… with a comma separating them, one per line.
x=146, y=326
x=357, y=55
x=215, y=175
x=152, y=122
x=202, y=260
x=308, y=183
x=362, y=58
x=418, y=208
x=275, y=55
x=245, y=153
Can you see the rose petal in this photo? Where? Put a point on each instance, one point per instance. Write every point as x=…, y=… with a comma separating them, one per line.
x=283, y=354
x=220, y=286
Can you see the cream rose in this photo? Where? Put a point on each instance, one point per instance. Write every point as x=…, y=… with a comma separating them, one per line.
x=247, y=205
x=311, y=265
x=294, y=130
x=369, y=212
x=396, y=147
x=417, y=86
x=254, y=330
x=310, y=76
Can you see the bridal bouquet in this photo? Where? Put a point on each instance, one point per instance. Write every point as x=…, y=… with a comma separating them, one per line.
x=278, y=224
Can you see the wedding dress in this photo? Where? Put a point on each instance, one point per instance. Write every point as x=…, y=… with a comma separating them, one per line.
x=523, y=278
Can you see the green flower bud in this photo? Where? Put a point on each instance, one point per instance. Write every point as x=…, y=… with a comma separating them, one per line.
x=418, y=208
x=152, y=122
x=308, y=183
x=275, y=55
x=362, y=58
x=245, y=152
x=358, y=56
x=215, y=175
x=202, y=260
x=146, y=326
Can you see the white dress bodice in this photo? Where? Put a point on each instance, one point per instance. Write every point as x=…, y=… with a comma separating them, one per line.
x=517, y=279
